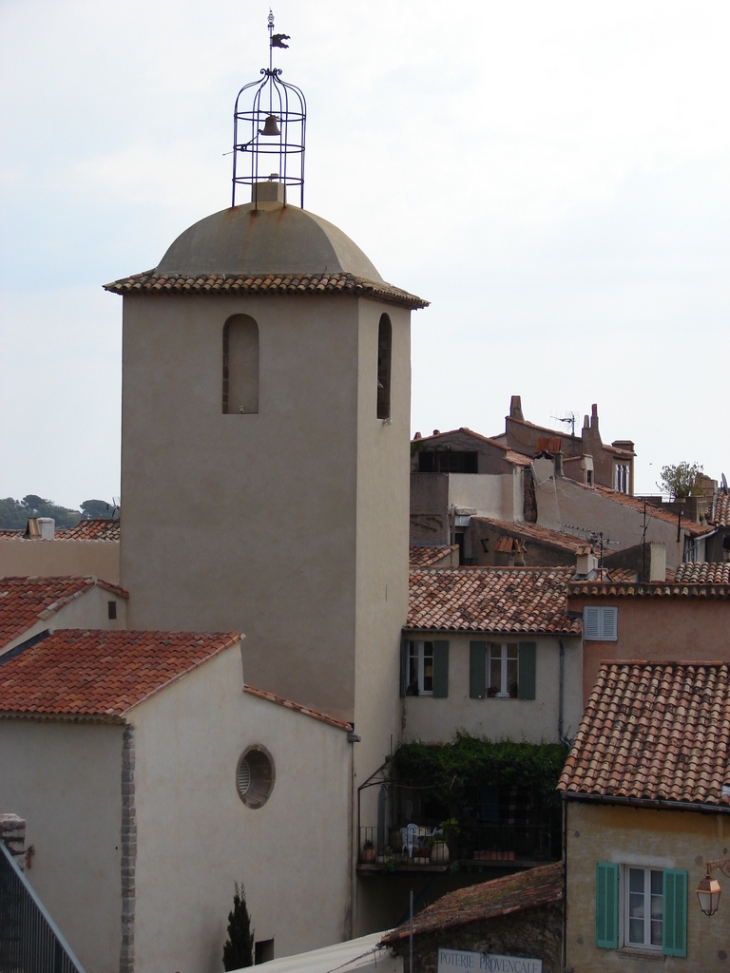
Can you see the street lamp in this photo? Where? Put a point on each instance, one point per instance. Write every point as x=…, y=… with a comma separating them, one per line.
x=708, y=891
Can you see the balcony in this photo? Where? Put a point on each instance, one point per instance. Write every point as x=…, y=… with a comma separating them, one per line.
x=476, y=847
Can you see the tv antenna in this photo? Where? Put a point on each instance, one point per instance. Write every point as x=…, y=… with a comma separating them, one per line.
x=571, y=418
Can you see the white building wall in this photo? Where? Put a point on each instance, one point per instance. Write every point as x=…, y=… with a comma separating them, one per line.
x=58, y=558
x=196, y=838
x=496, y=495
x=65, y=779
x=432, y=719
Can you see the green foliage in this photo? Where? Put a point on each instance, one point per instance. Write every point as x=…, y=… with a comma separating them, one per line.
x=451, y=770
x=680, y=481
x=238, y=948
x=92, y=509
x=14, y=514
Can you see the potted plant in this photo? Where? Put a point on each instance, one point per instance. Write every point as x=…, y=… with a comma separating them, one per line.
x=439, y=848
x=367, y=852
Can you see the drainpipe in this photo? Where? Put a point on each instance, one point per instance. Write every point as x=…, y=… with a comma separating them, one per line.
x=562, y=739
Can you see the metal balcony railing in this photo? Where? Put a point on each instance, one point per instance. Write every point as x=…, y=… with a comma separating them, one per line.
x=414, y=846
x=30, y=942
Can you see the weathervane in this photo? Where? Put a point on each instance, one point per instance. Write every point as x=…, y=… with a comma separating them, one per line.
x=271, y=130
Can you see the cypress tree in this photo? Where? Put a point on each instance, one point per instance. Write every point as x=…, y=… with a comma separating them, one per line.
x=238, y=948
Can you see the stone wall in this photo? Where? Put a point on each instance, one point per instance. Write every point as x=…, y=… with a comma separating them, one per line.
x=534, y=933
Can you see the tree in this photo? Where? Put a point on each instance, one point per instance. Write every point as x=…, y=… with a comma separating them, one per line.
x=238, y=948
x=680, y=481
x=92, y=509
x=14, y=514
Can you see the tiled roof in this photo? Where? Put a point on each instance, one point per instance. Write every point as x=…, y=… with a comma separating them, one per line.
x=97, y=529
x=9, y=532
x=500, y=897
x=297, y=707
x=620, y=588
x=465, y=431
x=94, y=675
x=424, y=557
x=703, y=572
x=654, y=731
x=721, y=510
x=153, y=283
x=532, y=532
x=652, y=511
x=23, y=601
x=478, y=599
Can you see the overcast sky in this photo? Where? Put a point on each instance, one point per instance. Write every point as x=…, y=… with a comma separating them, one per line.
x=553, y=176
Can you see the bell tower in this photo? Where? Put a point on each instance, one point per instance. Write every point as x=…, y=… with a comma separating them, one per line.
x=265, y=438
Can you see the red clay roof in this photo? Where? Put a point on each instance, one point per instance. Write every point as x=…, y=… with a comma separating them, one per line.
x=24, y=601
x=721, y=510
x=619, y=587
x=654, y=731
x=481, y=599
x=95, y=675
x=466, y=431
x=651, y=511
x=153, y=283
x=424, y=557
x=297, y=707
x=703, y=572
x=96, y=529
x=500, y=897
x=532, y=532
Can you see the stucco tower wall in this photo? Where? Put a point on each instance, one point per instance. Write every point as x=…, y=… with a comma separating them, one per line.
x=382, y=547
x=247, y=522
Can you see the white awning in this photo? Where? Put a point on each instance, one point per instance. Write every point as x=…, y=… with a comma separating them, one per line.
x=362, y=955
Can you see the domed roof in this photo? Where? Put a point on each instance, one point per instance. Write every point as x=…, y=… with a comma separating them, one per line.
x=246, y=241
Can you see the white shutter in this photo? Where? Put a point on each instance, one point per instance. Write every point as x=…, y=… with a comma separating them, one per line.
x=609, y=626
x=590, y=622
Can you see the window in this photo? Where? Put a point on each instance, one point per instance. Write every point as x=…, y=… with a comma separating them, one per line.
x=240, y=365
x=420, y=669
x=111, y=610
x=644, y=908
x=424, y=668
x=448, y=461
x=622, y=477
x=255, y=776
x=502, y=674
x=691, y=549
x=385, y=343
x=600, y=624
x=263, y=951
x=502, y=670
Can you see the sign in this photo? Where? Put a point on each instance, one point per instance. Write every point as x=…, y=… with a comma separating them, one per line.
x=464, y=961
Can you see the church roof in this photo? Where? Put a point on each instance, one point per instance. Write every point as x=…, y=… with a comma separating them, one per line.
x=269, y=249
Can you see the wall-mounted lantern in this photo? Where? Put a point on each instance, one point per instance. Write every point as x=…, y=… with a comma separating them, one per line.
x=708, y=891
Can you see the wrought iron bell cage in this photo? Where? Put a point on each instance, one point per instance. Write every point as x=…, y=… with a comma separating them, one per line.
x=269, y=136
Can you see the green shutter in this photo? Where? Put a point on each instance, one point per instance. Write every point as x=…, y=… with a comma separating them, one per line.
x=527, y=654
x=477, y=670
x=674, y=939
x=606, y=905
x=403, y=666
x=441, y=669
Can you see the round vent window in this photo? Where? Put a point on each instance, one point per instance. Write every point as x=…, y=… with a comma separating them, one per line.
x=255, y=776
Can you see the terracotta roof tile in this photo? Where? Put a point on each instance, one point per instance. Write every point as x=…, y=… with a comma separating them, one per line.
x=96, y=529
x=482, y=599
x=83, y=674
x=721, y=510
x=502, y=896
x=425, y=556
x=23, y=600
x=691, y=526
x=532, y=532
x=617, y=585
x=297, y=707
x=271, y=284
x=703, y=572
x=654, y=731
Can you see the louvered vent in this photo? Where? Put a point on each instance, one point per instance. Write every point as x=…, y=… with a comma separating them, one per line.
x=244, y=777
x=255, y=776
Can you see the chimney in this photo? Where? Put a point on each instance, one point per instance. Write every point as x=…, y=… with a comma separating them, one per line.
x=594, y=417
x=586, y=563
x=657, y=562
x=515, y=407
x=12, y=835
x=47, y=528
x=558, y=457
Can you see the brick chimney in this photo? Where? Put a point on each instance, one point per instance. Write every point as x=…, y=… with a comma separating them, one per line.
x=515, y=407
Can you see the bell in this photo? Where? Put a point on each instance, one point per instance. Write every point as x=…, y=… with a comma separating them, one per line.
x=270, y=126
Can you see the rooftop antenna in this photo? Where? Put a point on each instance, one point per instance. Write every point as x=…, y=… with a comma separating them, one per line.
x=269, y=134
x=569, y=418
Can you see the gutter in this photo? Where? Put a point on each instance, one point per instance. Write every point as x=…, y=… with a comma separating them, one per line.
x=657, y=805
